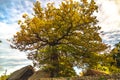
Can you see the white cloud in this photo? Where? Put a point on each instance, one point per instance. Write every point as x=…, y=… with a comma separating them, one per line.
x=8, y=27
x=10, y=59
x=108, y=15
x=7, y=30
x=14, y=10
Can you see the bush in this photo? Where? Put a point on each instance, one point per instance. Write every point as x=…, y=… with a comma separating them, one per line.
x=3, y=77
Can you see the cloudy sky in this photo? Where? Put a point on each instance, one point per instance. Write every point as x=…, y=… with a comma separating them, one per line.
x=12, y=10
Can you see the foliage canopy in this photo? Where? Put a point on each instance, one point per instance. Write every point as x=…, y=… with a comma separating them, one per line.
x=110, y=61
x=115, y=55
x=57, y=39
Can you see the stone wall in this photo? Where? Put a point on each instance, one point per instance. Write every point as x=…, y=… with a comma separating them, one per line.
x=105, y=77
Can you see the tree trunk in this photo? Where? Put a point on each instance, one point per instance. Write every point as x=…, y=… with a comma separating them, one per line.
x=54, y=62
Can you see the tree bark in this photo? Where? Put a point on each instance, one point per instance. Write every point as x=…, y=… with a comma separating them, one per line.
x=54, y=62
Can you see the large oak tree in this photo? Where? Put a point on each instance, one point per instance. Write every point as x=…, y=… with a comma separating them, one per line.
x=57, y=39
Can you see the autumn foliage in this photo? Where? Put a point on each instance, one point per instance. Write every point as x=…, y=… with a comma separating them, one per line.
x=57, y=39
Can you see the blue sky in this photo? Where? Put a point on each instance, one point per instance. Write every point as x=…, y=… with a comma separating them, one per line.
x=11, y=11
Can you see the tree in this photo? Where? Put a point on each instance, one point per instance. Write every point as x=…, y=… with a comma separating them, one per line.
x=111, y=60
x=57, y=39
x=116, y=55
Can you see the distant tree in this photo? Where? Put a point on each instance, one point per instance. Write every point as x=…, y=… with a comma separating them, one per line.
x=112, y=60
x=0, y=41
x=57, y=39
x=116, y=54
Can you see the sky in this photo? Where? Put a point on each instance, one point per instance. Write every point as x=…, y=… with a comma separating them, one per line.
x=11, y=11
